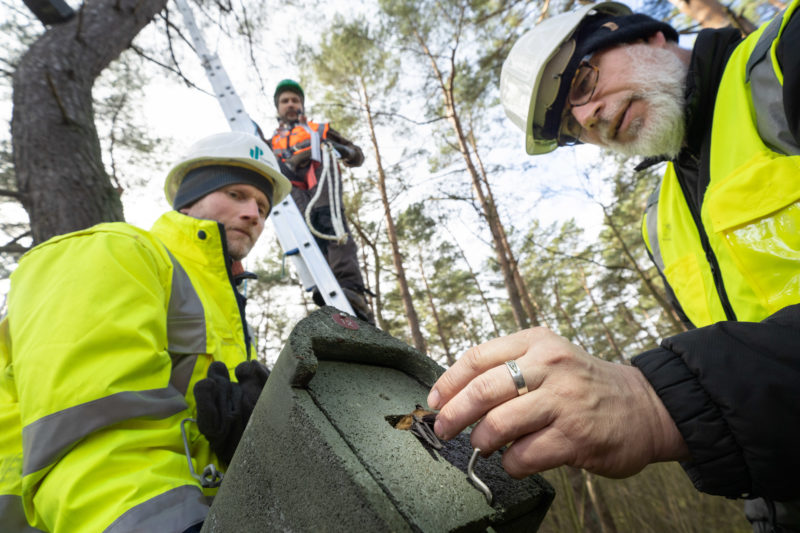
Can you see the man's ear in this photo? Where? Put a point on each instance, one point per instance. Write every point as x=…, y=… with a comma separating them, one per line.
x=658, y=40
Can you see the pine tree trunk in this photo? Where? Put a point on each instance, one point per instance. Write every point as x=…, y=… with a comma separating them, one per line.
x=530, y=305
x=60, y=175
x=665, y=305
x=391, y=233
x=376, y=288
x=514, y=297
x=601, y=509
x=480, y=289
x=445, y=345
x=574, y=337
x=600, y=315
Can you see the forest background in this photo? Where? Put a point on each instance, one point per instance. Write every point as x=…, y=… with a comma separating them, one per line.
x=462, y=236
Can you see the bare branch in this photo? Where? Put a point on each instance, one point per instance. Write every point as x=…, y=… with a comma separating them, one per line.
x=13, y=246
x=13, y=249
x=250, y=46
x=175, y=71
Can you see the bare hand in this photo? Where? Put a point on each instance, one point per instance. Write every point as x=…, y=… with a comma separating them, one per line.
x=579, y=411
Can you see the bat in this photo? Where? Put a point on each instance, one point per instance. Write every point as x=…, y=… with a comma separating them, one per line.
x=420, y=423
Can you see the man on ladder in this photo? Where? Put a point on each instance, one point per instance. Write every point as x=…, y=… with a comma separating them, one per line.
x=307, y=149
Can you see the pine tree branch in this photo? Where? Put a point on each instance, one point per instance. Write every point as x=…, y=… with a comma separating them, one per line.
x=175, y=71
x=13, y=246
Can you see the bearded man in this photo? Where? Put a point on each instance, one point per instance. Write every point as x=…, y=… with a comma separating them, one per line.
x=722, y=229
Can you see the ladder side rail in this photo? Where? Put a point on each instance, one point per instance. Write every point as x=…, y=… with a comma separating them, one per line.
x=293, y=234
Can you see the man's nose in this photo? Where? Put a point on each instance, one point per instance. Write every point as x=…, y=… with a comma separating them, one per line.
x=587, y=114
x=250, y=210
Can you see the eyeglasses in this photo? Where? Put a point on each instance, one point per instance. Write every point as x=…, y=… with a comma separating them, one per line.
x=580, y=93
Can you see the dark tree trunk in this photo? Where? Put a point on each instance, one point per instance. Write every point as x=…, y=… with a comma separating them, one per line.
x=57, y=158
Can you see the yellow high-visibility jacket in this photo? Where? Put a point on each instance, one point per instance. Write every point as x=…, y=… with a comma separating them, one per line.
x=107, y=331
x=736, y=256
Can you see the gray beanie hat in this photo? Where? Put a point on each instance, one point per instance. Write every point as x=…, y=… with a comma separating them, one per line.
x=200, y=181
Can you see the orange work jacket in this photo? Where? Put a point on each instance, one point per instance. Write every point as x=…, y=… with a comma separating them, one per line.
x=288, y=142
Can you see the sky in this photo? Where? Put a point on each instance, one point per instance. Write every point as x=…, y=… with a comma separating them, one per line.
x=184, y=114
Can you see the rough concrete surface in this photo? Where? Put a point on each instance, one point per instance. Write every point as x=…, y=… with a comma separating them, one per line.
x=320, y=455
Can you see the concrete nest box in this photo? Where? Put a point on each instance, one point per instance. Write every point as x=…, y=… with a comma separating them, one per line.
x=321, y=452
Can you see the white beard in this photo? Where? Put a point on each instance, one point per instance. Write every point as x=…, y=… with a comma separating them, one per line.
x=660, y=78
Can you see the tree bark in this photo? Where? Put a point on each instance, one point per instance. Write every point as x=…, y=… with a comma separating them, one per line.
x=449, y=357
x=480, y=289
x=600, y=315
x=530, y=305
x=391, y=232
x=367, y=242
x=446, y=85
x=60, y=175
x=662, y=301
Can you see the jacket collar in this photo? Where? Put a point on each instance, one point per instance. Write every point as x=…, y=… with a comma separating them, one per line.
x=201, y=241
x=709, y=56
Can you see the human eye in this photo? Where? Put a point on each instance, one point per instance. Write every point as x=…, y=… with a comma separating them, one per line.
x=582, y=85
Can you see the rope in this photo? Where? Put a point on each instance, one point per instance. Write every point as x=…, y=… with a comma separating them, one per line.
x=330, y=170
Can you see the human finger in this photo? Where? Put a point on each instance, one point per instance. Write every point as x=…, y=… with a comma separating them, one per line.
x=512, y=420
x=539, y=451
x=484, y=392
x=476, y=361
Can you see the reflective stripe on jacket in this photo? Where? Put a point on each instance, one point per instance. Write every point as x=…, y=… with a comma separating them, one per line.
x=737, y=259
x=285, y=141
x=106, y=334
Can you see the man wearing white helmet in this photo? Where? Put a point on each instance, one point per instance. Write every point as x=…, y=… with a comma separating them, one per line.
x=722, y=229
x=116, y=402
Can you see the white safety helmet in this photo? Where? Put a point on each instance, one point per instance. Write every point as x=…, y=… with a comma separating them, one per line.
x=531, y=76
x=232, y=148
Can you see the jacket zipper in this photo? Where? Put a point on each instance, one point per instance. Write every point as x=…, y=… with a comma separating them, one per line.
x=710, y=257
x=236, y=294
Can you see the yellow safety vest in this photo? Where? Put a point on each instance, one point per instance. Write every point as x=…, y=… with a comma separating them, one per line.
x=107, y=332
x=750, y=215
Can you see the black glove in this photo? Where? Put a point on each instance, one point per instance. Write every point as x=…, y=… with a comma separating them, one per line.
x=224, y=407
x=299, y=159
x=348, y=154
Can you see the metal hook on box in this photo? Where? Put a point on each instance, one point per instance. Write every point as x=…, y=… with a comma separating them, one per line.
x=475, y=479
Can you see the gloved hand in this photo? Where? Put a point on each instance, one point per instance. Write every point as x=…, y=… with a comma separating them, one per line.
x=348, y=154
x=224, y=407
x=299, y=159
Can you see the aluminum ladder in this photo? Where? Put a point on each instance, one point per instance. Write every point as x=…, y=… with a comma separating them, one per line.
x=290, y=226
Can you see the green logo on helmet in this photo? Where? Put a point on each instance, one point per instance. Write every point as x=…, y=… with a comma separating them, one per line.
x=256, y=152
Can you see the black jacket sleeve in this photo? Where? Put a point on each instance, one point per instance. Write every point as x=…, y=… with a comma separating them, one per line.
x=733, y=389
x=354, y=157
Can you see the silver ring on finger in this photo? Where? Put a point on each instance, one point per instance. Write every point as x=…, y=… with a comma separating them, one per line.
x=516, y=375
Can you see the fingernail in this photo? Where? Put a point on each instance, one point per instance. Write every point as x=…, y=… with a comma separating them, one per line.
x=434, y=399
x=437, y=428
